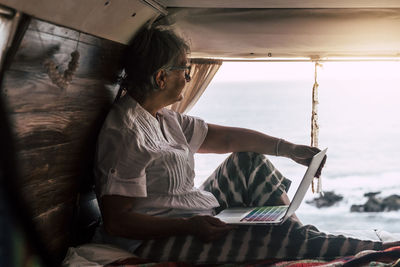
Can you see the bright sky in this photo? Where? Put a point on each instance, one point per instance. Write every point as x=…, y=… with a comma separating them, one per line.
x=267, y=71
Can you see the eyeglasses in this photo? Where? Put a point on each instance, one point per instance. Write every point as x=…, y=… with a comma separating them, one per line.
x=186, y=69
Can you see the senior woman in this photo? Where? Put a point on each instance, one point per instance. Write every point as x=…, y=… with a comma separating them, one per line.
x=145, y=171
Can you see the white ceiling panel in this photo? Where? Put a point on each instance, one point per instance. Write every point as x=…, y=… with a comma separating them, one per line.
x=282, y=3
x=261, y=33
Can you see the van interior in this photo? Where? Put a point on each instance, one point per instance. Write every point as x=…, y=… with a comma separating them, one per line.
x=54, y=100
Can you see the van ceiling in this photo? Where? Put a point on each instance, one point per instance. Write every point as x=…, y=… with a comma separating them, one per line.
x=282, y=3
x=237, y=28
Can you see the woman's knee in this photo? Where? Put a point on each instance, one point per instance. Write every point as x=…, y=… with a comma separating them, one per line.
x=250, y=164
x=247, y=160
x=248, y=155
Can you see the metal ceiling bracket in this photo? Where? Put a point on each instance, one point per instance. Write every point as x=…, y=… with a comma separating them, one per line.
x=157, y=6
x=6, y=12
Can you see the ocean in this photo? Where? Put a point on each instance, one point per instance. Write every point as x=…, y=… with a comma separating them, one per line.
x=359, y=124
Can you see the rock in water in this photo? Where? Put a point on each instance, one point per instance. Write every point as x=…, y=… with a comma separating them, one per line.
x=372, y=194
x=357, y=208
x=375, y=204
x=328, y=199
x=391, y=203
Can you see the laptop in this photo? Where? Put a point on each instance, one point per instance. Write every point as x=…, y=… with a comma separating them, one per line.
x=273, y=214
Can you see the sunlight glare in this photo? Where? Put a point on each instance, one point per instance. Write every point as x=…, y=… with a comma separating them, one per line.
x=264, y=71
x=360, y=71
x=304, y=71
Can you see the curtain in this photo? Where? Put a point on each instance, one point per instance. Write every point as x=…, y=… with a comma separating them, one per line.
x=8, y=25
x=202, y=72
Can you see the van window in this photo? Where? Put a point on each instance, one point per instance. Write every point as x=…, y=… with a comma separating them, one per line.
x=357, y=115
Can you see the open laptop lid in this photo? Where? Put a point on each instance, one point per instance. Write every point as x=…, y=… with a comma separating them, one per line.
x=305, y=183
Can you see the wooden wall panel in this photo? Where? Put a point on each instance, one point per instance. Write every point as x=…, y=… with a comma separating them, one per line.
x=82, y=93
x=55, y=228
x=56, y=129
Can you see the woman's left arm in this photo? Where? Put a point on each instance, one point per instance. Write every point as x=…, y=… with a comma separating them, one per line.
x=222, y=139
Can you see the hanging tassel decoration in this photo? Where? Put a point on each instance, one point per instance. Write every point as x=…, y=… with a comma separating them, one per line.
x=62, y=80
x=314, y=125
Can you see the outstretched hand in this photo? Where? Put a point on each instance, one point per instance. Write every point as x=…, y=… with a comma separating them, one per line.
x=208, y=228
x=303, y=155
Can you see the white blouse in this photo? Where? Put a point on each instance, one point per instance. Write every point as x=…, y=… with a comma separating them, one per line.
x=151, y=160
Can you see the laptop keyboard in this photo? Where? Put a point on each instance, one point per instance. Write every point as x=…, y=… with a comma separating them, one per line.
x=264, y=214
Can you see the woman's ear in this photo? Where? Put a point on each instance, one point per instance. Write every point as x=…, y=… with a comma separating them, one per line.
x=161, y=76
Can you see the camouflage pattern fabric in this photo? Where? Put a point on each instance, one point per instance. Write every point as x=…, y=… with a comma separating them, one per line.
x=250, y=179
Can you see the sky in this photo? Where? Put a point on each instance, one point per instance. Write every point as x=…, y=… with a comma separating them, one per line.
x=270, y=71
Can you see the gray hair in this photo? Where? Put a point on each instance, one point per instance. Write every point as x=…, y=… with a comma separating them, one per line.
x=151, y=50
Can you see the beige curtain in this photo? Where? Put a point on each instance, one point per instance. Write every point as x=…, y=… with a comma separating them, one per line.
x=8, y=25
x=202, y=72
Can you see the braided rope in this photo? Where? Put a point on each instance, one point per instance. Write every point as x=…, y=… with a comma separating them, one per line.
x=314, y=122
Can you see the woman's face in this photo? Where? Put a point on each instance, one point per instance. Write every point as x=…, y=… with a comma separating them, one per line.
x=176, y=80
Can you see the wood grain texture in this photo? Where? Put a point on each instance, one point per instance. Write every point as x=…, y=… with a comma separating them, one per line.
x=49, y=193
x=56, y=228
x=56, y=129
x=31, y=92
x=36, y=47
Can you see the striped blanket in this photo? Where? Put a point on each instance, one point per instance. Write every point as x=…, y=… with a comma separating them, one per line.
x=388, y=257
x=250, y=179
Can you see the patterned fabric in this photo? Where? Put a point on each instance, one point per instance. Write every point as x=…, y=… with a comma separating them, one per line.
x=249, y=179
x=389, y=257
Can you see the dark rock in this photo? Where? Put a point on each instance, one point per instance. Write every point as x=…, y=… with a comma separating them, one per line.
x=391, y=203
x=373, y=204
x=328, y=199
x=372, y=194
x=357, y=208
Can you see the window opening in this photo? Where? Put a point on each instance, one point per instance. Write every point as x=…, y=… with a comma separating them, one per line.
x=358, y=119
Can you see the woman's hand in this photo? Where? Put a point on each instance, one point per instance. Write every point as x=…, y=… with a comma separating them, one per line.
x=208, y=228
x=304, y=154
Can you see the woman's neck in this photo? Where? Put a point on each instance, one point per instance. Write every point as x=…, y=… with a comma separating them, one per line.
x=150, y=104
x=152, y=109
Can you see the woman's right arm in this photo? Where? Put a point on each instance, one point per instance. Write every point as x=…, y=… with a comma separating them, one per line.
x=119, y=220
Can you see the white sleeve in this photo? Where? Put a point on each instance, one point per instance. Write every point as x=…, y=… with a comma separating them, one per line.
x=194, y=129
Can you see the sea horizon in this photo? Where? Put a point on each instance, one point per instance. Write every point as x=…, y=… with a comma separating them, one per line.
x=363, y=153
